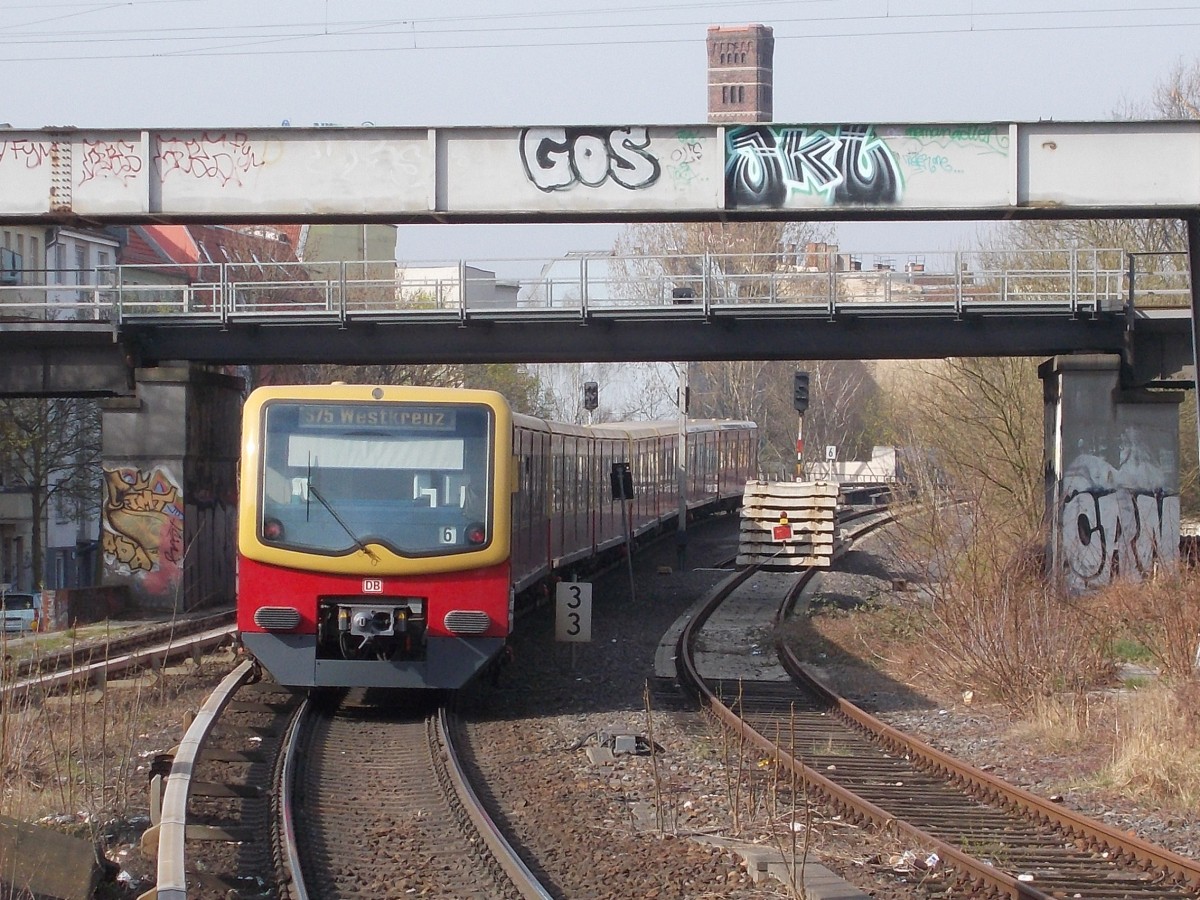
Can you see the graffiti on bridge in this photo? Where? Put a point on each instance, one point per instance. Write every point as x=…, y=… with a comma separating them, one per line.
x=557, y=159
x=142, y=524
x=687, y=158
x=31, y=154
x=765, y=165
x=1115, y=522
x=113, y=159
x=982, y=138
x=225, y=157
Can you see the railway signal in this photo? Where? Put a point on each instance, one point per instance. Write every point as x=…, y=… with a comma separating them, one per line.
x=800, y=401
x=591, y=395
x=800, y=392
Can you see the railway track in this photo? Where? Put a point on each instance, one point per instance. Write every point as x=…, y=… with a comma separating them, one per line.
x=149, y=648
x=360, y=836
x=381, y=809
x=367, y=801
x=979, y=834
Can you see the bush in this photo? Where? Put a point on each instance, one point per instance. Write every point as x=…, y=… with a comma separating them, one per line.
x=992, y=622
x=1161, y=615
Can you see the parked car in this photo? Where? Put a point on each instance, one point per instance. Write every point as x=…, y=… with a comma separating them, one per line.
x=20, y=612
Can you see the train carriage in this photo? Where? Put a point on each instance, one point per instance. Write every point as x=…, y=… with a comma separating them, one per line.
x=384, y=530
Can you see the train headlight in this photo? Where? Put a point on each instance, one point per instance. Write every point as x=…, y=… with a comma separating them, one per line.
x=476, y=533
x=272, y=530
x=276, y=618
x=467, y=621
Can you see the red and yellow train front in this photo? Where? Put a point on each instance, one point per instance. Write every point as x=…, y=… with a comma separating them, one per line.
x=373, y=534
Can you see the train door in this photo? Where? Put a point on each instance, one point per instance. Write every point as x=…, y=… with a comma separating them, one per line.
x=572, y=507
x=592, y=495
x=522, y=525
x=609, y=513
x=556, y=504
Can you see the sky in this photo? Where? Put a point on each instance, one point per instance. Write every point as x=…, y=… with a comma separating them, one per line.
x=253, y=63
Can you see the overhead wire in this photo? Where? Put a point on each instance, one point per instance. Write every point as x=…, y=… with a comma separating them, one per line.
x=237, y=40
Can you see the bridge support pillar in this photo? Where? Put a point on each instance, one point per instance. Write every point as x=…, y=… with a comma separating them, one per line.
x=168, y=521
x=1112, y=473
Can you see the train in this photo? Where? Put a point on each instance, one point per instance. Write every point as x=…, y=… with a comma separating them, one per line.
x=386, y=532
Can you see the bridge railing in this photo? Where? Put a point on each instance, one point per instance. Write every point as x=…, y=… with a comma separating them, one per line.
x=825, y=281
x=1159, y=280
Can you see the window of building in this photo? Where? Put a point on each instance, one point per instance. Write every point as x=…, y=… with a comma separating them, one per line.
x=80, y=263
x=35, y=261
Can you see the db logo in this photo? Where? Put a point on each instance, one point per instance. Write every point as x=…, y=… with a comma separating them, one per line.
x=372, y=586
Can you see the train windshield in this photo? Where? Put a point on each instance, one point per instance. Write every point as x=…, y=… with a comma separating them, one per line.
x=339, y=477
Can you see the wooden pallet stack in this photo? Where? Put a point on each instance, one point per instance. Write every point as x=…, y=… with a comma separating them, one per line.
x=789, y=524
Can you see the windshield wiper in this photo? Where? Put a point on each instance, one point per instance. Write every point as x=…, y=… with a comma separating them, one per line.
x=354, y=537
x=312, y=491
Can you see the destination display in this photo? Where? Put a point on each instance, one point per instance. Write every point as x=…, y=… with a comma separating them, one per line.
x=341, y=416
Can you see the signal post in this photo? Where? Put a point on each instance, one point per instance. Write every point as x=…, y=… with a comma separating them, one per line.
x=800, y=402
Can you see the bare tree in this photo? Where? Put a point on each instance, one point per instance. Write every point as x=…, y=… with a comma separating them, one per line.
x=52, y=447
x=1158, y=246
x=843, y=393
x=656, y=395
x=518, y=383
x=1002, y=400
x=721, y=260
x=1178, y=95
x=746, y=263
x=980, y=421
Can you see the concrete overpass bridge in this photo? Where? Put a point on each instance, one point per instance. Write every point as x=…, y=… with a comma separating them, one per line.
x=827, y=172
x=806, y=305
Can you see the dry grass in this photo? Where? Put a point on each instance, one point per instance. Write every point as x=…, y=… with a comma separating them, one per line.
x=84, y=755
x=983, y=619
x=1060, y=724
x=1156, y=745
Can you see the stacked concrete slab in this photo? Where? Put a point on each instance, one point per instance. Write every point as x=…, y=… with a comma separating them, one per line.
x=804, y=511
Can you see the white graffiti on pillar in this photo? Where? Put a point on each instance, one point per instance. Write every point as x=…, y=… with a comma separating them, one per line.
x=1116, y=521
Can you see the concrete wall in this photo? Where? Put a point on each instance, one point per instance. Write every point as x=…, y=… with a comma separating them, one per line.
x=1112, y=474
x=170, y=470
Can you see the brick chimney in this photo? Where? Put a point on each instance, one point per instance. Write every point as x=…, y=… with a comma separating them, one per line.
x=740, y=67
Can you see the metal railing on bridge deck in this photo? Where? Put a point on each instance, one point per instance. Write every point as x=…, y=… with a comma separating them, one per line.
x=824, y=282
